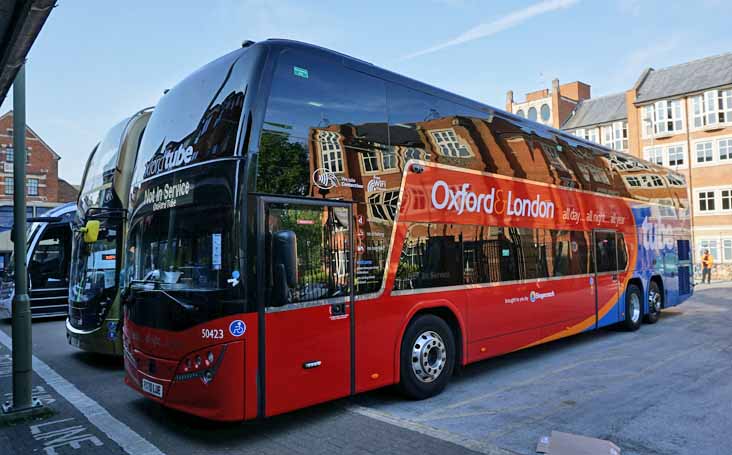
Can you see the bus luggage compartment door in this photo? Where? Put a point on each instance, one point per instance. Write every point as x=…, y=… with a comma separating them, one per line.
x=305, y=290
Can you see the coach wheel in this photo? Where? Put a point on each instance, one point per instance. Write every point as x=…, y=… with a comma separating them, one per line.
x=427, y=357
x=633, y=308
x=655, y=303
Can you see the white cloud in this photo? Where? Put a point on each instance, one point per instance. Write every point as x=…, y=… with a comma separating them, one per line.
x=506, y=22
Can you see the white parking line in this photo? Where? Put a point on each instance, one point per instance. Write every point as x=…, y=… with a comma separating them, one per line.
x=124, y=436
x=472, y=444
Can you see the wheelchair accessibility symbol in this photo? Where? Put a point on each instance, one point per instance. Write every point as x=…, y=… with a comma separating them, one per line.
x=237, y=328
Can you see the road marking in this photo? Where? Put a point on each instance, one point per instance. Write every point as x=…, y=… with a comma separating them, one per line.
x=124, y=436
x=472, y=444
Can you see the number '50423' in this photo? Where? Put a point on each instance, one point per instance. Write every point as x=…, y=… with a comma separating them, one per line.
x=216, y=334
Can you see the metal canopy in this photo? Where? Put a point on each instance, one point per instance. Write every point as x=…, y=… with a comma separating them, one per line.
x=20, y=23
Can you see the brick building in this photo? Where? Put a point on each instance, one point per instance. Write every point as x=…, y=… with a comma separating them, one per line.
x=679, y=117
x=44, y=188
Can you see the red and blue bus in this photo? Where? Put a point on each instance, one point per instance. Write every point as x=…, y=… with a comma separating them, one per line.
x=304, y=226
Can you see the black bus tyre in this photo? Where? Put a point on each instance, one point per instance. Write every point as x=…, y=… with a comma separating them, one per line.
x=655, y=303
x=633, y=308
x=427, y=357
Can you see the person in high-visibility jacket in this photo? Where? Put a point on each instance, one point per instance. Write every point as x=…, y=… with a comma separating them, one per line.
x=707, y=263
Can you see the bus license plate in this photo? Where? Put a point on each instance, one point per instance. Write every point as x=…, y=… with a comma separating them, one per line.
x=153, y=388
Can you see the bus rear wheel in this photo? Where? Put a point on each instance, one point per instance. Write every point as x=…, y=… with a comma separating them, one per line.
x=655, y=303
x=633, y=308
x=427, y=357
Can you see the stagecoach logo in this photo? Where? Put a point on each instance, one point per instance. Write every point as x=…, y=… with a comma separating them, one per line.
x=460, y=199
x=534, y=296
x=324, y=179
x=170, y=159
x=376, y=183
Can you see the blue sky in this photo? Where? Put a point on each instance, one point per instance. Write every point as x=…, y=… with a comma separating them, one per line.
x=97, y=62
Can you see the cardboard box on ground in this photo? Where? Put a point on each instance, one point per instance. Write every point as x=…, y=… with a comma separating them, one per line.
x=572, y=444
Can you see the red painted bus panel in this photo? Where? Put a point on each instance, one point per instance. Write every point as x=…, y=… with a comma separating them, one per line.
x=307, y=352
x=159, y=355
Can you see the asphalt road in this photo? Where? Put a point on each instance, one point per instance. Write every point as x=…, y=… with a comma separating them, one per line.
x=665, y=389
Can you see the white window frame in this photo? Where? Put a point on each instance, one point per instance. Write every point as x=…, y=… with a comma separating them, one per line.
x=331, y=151
x=707, y=199
x=712, y=109
x=722, y=196
x=725, y=256
x=654, y=155
x=9, y=188
x=449, y=144
x=36, y=186
x=717, y=198
x=708, y=153
x=727, y=148
x=706, y=244
x=663, y=118
x=717, y=143
x=676, y=164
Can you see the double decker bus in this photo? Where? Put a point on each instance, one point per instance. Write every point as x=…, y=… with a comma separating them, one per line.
x=304, y=225
x=93, y=301
x=48, y=255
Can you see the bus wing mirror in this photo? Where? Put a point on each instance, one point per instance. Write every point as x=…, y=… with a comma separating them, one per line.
x=284, y=262
x=91, y=231
x=284, y=252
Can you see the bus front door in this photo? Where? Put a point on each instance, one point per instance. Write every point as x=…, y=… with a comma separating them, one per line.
x=605, y=262
x=305, y=294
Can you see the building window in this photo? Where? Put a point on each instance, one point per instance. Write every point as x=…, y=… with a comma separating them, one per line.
x=32, y=187
x=704, y=152
x=706, y=201
x=712, y=108
x=545, y=112
x=676, y=155
x=9, y=182
x=620, y=135
x=710, y=245
x=615, y=135
x=662, y=117
x=383, y=205
x=532, y=114
x=727, y=250
x=9, y=154
x=726, y=199
x=633, y=181
x=655, y=155
x=725, y=149
x=370, y=161
x=388, y=159
x=449, y=145
x=331, y=152
x=520, y=113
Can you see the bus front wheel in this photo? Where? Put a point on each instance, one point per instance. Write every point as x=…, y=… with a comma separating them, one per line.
x=633, y=308
x=427, y=357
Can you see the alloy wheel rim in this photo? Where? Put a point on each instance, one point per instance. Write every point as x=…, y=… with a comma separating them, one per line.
x=429, y=356
x=654, y=302
x=635, y=308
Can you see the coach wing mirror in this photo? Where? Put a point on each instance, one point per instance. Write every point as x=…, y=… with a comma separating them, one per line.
x=284, y=261
x=91, y=231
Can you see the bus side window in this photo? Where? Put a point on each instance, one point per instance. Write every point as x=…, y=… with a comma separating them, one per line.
x=605, y=252
x=622, y=253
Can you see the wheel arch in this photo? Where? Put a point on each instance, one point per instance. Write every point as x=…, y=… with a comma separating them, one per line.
x=443, y=309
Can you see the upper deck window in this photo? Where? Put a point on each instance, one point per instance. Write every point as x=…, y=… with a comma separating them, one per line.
x=198, y=119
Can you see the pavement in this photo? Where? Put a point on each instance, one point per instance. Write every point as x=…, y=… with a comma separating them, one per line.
x=664, y=389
